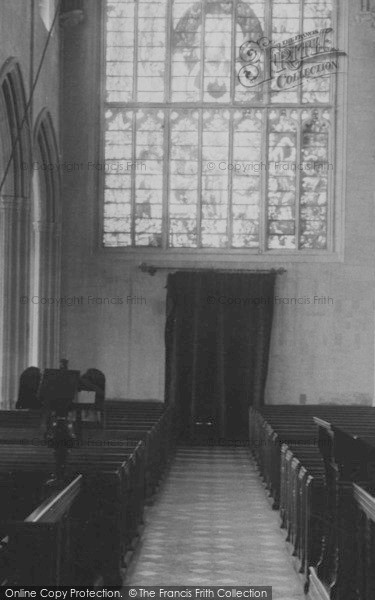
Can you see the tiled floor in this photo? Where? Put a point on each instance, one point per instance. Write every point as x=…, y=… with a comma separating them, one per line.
x=211, y=524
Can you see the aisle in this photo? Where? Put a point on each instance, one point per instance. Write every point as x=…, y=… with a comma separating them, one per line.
x=212, y=525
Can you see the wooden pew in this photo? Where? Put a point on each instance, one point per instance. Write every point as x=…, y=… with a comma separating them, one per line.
x=21, y=418
x=302, y=502
x=109, y=499
x=156, y=423
x=287, y=440
x=345, y=570
x=149, y=421
x=125, y=463
x=365, y=541
x=38, y=550
x=115, y=461
x=271, y=426
x=267, y=436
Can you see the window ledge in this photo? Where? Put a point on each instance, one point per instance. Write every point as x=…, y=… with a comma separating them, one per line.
x=211, y=257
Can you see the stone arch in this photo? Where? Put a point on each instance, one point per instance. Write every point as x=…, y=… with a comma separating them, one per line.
x=45, y=244
x=15, y=156
x=14, y=122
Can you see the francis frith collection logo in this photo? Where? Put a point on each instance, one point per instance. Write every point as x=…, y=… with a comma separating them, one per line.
x=287, y=64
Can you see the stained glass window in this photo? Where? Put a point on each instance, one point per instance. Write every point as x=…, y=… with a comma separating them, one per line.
x=218, y=120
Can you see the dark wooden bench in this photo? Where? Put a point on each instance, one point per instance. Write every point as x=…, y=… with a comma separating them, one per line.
x=151, y=422
x=39, y=549
x=155, y=422
x=364, y=509
x=347, y=565
x=302, y=502
x=21, y=418
x=284, y=442
x=112, y=494
x=270, y=427
x=120, y=466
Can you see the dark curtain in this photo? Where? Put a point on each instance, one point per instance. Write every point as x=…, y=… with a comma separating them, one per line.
x=217, y=343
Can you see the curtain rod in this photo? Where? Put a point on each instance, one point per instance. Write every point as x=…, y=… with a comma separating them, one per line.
x=152, y=269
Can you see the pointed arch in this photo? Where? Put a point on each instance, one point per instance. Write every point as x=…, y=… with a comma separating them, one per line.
x=15, y=157
x=16, y=175
x=46, y=229
x=45, y=147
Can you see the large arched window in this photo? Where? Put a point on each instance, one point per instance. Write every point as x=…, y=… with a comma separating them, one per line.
x=219, y=125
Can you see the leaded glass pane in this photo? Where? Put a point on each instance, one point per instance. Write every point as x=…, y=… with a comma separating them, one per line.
x=117, y=177
x=318, y=16
x=250, y=60
x=120, y=51
x=282, y=156
x=186, y=52
x=183, y=181
x=218, y=64
x=246, y=182
x=149, y=128
x=314, y=179
x=215, y=142
x=186, y=165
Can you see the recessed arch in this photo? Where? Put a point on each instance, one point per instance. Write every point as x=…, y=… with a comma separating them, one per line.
x=14, y=110
x=47, y=161
x=45, y=242
x=15, y=158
